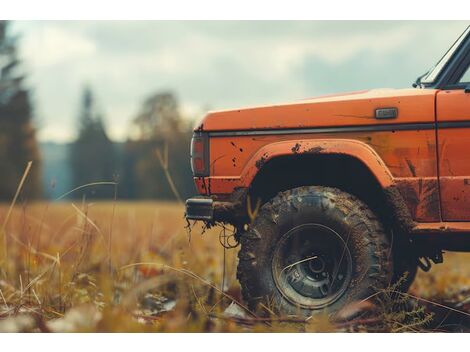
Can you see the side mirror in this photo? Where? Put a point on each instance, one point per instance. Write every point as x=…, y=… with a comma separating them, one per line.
x=467, y=88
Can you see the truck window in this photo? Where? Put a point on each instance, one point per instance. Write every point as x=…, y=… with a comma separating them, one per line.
x=466, y=76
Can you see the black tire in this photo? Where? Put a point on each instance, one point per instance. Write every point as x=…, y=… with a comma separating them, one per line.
x=281, y=235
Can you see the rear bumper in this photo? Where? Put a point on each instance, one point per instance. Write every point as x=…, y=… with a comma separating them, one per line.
x=200, y=208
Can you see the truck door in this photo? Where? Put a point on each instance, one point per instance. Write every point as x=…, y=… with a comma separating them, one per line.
x=453, y=143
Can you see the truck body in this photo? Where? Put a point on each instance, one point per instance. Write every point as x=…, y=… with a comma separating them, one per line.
x=404, y=153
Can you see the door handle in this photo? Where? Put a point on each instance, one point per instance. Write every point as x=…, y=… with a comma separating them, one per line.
x=386, y=113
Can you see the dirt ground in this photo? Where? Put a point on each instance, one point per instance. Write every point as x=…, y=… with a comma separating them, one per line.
x=134, y=266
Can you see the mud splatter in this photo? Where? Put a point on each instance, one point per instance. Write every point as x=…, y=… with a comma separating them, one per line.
x=401, y=212
x=295, y=149
x=422, y=198
x=314, y=150
x=261, y=161
x=411, y=167
x=235, y=146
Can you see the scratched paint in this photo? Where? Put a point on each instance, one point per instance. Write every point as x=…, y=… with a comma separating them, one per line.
x=408, y=158
x=407, y=155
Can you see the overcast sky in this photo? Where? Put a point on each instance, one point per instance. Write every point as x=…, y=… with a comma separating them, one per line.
x=215, y=64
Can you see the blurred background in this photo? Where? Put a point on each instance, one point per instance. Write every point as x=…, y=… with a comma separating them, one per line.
x=94, y=101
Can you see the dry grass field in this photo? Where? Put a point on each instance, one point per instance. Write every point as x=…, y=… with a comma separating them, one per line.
x=133, y=266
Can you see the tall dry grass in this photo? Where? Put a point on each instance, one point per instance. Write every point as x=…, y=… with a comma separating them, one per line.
x=62, y=255
x=134, y=266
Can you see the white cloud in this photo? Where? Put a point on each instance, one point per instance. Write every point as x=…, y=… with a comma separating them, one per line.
x=51, y=45
x=220, y=64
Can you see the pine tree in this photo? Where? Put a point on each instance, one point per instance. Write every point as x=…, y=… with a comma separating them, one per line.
x=92, y=155
x=18, y=143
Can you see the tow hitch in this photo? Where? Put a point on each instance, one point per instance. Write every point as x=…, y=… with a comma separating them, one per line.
x=425, y=262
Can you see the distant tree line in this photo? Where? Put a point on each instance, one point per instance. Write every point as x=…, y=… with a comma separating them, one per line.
x=93, y=160
x=157, y=128
x=136, y=166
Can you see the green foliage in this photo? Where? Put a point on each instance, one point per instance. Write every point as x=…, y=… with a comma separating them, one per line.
x=17, y=135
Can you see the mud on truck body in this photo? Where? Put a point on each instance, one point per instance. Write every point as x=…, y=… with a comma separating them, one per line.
x=335, y=197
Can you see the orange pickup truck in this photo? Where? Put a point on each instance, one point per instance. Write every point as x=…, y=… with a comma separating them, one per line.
x=337, y=196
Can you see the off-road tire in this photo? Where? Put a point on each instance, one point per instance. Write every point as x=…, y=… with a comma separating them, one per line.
x=364, y=235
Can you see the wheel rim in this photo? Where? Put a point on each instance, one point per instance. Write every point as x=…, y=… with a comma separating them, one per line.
x=312, y=266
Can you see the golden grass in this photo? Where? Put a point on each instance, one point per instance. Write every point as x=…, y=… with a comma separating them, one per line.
x=68, y=255
x=117, y=266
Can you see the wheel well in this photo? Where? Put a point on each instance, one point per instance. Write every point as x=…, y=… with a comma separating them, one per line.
x=334, y=170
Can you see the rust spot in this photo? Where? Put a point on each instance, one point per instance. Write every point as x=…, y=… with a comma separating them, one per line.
x=295, y=148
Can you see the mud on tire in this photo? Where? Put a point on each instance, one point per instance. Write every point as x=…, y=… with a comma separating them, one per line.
x=312, y=249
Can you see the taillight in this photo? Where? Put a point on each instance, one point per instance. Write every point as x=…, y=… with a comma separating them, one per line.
x=200, y=154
